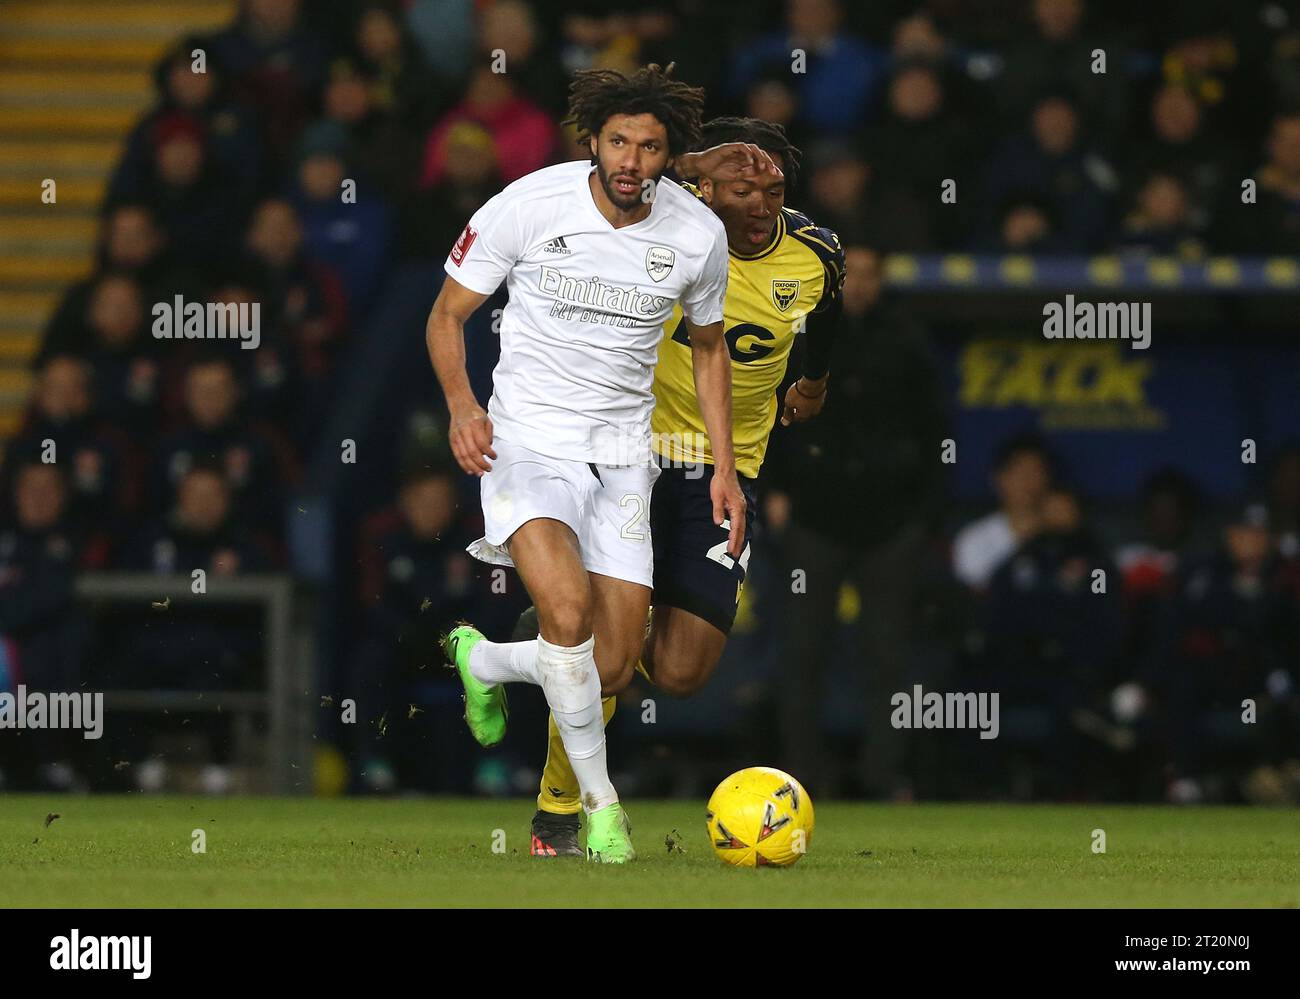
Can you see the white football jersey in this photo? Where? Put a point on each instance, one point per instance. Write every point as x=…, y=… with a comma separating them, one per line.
x=588, y=304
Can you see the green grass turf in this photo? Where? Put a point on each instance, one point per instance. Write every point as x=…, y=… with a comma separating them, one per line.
x=135, y=851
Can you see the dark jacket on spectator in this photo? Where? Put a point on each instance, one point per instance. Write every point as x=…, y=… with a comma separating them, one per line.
x=36, y=574
x=868, y=464
x=414, y=590
x=1076, y=185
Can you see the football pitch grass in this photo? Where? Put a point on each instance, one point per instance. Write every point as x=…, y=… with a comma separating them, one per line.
x=132, y=850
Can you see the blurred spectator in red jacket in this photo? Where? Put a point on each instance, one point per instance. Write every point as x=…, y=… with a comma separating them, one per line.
x=471, y=178
x=524, y=134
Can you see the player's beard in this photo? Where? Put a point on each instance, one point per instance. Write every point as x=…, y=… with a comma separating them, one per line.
x=623, y=202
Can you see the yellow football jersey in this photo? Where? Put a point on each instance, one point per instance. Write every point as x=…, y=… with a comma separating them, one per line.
x=769, y=293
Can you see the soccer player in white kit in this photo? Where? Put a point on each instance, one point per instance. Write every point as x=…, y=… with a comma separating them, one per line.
x=594, y=257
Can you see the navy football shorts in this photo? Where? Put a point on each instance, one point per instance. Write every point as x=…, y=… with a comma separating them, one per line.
x=692, y=569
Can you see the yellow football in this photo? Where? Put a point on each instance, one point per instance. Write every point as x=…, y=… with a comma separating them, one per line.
x=760, y=816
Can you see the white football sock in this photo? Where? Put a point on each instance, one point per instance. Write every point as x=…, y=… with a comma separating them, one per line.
x=572, y=687
x=505, y=662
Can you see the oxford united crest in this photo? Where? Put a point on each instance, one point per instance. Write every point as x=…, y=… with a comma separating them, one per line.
x=784, y=293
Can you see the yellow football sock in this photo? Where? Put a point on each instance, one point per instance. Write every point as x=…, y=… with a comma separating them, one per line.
x=559, y=793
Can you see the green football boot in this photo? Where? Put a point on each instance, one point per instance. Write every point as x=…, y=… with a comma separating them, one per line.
x=485, y=704
x=609, y=836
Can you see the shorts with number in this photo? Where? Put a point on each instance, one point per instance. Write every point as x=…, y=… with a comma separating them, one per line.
x=606, y=506
x=692, y=568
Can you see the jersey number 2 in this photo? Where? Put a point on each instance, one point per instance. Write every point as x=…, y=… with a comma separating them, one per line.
x=632, y=530
x=718, y=553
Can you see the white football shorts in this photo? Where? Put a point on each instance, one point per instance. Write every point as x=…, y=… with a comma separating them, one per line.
x=606, y=506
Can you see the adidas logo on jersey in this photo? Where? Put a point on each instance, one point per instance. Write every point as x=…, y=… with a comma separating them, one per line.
x=557, y=245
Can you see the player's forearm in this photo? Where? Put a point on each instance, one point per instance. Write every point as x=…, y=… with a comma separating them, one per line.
x=819, y=341
x=687, y=166
x=712, y=368
x=445, y=337
x=726, y=161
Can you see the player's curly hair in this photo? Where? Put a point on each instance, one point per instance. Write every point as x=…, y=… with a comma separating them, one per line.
x=596, y=95
x=767, y=135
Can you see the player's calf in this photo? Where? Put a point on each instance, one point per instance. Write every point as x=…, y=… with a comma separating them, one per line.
x=681, y=650
x=619, y=615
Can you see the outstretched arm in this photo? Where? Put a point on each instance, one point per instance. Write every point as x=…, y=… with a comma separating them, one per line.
x=471, y=430
x=711, y=362
x=726, y=161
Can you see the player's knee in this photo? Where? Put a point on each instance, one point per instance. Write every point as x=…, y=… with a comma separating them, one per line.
x=565, y=620
x=679, y=679
x=616, y=680
x=617, y=666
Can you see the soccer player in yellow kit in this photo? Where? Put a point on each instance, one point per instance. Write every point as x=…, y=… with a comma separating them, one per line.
x=785, y=274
